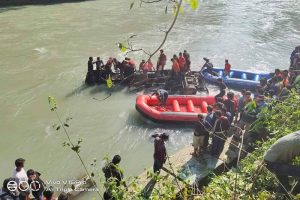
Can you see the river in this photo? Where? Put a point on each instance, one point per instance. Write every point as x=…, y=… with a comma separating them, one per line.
x=44, y=51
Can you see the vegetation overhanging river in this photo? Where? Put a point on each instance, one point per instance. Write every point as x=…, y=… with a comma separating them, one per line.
x=44, y=51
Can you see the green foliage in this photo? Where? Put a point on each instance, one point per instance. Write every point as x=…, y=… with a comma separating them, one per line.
x=254, y=180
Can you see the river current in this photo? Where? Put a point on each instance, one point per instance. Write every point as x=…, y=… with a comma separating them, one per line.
x=44, y=51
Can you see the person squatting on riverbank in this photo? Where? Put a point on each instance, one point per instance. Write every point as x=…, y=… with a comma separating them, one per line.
x=278, y=160
x=114, y=176
x=160, y=151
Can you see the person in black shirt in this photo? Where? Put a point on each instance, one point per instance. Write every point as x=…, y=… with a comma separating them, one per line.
x=37, y=184
x=113, y=174
x=201, y=135
x=220, y=129
x=209, y=66
x=90, y=64
x=222, y=88
x=230, y=105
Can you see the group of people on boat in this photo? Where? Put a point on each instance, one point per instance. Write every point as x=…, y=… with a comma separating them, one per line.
x=99, y=72
x=25, y=185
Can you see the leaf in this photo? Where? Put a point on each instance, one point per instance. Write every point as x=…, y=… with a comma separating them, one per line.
x=131, y=5
x=58, y=127
x=73, y=187
x=66, y=125
x=194, y=4
x=166, y=10
x=52, y=102
x=92, y=174
x=180, y=10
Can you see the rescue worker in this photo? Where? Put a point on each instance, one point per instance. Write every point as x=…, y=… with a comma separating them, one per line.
x=162, y=96
x=227, y=68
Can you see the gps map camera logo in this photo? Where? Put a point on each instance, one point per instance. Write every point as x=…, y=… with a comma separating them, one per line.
x=14, y=186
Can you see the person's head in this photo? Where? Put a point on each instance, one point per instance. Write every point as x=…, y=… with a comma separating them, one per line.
x=200, y=116
x=243, y=92
x=224, y=110
x=218, y=113
x=98, y=58
x=174, y=56
x=115, y=60
x=143, y=61
x=48, y=194
x=209, y=108
x=271, y=93
x=230, y=95
x=180, y=54
x=5, y=183
x=161, y=51
x=91, y=58
x=19, y=163
x=184, y=51
x=226, y=61
x=263, y=81
x=172, y=59
x=277, y=72
x=116, y=159
x=63, y=196
x=206, y=59
x=30, y=173
x=285, y=74
x=248, y=94
x=165, y=136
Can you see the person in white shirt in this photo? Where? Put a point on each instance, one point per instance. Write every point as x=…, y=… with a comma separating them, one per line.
x=21, y=178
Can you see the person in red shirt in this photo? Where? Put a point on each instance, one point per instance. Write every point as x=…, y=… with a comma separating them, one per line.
x=182, y=63
x=227, y=68
x=162, y=60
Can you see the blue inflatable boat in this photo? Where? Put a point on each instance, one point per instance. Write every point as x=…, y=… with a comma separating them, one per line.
x=237, y=79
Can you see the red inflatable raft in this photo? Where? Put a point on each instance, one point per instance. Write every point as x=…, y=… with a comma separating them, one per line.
x=183, y=108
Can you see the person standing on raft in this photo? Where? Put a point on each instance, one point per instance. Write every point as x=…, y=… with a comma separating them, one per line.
x=162, y=96
x=160, y=152
x=162, y=60
x=209, y=67
x=227, y=68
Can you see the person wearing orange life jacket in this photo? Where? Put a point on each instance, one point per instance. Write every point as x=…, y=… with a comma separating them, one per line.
x=175, y=69
x=227, y=68
x=148, y=67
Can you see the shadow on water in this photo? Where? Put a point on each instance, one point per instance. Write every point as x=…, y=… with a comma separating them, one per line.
x=6, y=4
x=77, y=90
